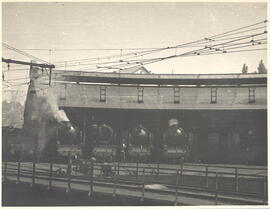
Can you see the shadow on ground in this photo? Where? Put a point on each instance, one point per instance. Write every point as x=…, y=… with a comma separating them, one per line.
x=23, y=195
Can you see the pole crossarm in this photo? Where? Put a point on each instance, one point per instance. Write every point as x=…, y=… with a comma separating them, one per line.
x=27, y=63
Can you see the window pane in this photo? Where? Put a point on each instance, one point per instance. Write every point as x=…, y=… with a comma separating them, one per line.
x=213, y=95
x=140, y=95
x=103, y=94
x=251, y=95
x=176, y=95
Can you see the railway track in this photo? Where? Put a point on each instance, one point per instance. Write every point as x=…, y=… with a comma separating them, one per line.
x=143, y=185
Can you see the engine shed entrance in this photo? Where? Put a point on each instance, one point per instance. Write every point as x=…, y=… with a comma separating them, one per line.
x=217, y=136
x=225, y=115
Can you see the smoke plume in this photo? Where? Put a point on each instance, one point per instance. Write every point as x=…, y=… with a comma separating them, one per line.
x=43, y=117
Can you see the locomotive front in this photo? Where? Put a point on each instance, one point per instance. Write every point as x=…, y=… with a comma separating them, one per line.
x=175, y=142
x=140, y=145
x=68, y=141
x=103, y=142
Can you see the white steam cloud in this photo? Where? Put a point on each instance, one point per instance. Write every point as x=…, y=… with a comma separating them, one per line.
x=46, y=107
x=51, y=108
x=47, y=116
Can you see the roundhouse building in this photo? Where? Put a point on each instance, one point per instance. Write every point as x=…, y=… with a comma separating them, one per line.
x=225, y=115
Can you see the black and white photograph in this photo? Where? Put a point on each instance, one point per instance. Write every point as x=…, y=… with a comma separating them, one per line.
x=134, y=103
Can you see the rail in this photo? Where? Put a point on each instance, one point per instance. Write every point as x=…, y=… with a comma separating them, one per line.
x=182, y=180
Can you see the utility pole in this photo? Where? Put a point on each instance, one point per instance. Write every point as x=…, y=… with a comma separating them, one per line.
x=49, y=66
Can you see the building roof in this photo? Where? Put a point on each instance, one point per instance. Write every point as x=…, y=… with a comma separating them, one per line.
x=160, y=79
x=138, y=70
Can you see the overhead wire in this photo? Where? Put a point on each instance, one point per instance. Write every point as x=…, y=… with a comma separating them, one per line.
x=24, y=53
x=152, y=60
x=131, y=59
x=27, y=55
x=205, y=40
x=203, y=50
x=212, y=45
x=228, y=33
x=239, y=32
x=92, y=49
x=229, y=38
x=216, y=53
x=109, y=57
x=237, y=29
x=134, y=53
x=260, y=43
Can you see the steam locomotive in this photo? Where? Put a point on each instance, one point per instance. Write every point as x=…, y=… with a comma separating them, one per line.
x=104, y=145
x=64, y=142
x=135, y=145
x=68, y=141
x=140, y=144
x=175, y=142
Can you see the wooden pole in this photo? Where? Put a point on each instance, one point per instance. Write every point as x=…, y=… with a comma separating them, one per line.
x=50, y=176
x=50, y=76
x=236, y=180
x=115, y=180
x=206, y=176
x=33, y=173
x=265, y=190
x=118, y=168
x=5, y=171
x=137, y=170
x=68, y=177
x=216, y=189
x=18, y=172
x=142, y=198
x=182, y=179
x=90, y=194
x=176, y=187
x=76, y=169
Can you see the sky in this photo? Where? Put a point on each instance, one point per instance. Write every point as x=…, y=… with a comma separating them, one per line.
x=91, y=25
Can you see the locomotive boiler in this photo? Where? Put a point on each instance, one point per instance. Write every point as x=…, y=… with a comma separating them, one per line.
x=140, y=144
x=175, y=142
x=103, y=142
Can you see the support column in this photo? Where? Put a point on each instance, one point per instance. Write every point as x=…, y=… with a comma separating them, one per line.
x=84, y=129
x=157, y=135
